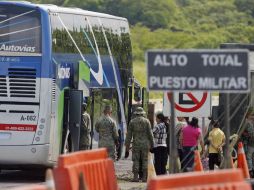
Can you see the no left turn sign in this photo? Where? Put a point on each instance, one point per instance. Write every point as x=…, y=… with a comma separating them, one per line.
x=189, y=104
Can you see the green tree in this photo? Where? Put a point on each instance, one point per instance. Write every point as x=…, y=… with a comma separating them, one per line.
x=246, y=6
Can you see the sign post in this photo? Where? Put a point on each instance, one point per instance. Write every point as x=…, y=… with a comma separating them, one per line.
x=172, y=140
x=227, y=154
x=196, y=70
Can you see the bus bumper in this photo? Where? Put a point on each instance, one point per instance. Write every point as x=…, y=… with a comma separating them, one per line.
x=36, y=155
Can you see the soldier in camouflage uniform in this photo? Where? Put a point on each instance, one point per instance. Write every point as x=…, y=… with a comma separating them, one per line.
x=248, y=138
x=140, y=130
x=108, y=136
x=85, y=130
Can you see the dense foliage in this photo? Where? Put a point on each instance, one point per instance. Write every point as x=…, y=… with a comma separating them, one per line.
x=176, y=23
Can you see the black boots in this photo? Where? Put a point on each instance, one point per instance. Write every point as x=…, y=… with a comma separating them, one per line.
x=144, y=177
x=135, y=178
x=251, y=172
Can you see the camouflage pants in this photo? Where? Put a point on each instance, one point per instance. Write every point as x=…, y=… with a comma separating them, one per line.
x=84, y=141
x=84, y=144
x=249, y=157
x=137, y=155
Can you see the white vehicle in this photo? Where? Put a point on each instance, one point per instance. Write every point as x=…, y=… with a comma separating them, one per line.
x=51, y=58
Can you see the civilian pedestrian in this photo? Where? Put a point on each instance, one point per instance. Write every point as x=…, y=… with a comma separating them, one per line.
x=181, y=123
x=190, y=138
x=216, y=140
x=160, y=145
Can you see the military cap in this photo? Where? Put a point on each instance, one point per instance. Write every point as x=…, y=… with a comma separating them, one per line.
x=107, y=108
x=139, y=111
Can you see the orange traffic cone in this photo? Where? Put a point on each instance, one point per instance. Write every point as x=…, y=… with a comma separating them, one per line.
x=197, y=162
x=241, y=161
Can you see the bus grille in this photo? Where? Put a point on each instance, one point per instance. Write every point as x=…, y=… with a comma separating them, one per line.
x=53, y=90
x=22, y=82
x=3, y=86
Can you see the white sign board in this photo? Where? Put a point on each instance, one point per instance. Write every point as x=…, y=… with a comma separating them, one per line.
x=189, y=104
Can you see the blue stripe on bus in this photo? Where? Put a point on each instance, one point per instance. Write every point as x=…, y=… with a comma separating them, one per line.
x=36, y=62
x=61, y=58
x=105, y=77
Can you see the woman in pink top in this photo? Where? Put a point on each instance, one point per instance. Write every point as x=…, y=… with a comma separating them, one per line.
x=191, y=135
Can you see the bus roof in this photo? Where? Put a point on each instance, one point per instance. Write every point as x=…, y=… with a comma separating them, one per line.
x=57, y=9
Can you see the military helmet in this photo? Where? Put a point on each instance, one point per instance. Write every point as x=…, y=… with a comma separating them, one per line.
x=108, y=108
x=139, y=111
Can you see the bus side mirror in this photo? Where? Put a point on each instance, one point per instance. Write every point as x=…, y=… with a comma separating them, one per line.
x=137, y=93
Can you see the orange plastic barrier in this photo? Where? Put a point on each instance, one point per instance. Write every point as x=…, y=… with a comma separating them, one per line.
x=197, y=162
x=98, y=172
x=230, y=179
x=82, y=156
x=241, y=161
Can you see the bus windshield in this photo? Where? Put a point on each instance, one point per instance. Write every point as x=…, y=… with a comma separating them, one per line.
x=20, y=29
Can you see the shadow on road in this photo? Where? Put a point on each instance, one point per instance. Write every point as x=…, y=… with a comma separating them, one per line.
x=18, y=176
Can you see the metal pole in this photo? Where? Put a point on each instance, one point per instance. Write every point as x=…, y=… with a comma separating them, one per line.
x=227, y=156
x=172, y=140
x=203, y=127
x=92, y=119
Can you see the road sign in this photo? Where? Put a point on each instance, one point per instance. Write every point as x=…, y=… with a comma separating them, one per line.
x=189, y=104
x=198, y=70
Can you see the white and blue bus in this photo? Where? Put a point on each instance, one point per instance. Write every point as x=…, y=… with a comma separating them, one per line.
x=48, y=55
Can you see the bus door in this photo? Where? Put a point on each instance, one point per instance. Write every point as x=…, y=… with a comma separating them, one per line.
x=72, y=119
x=100, y=98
